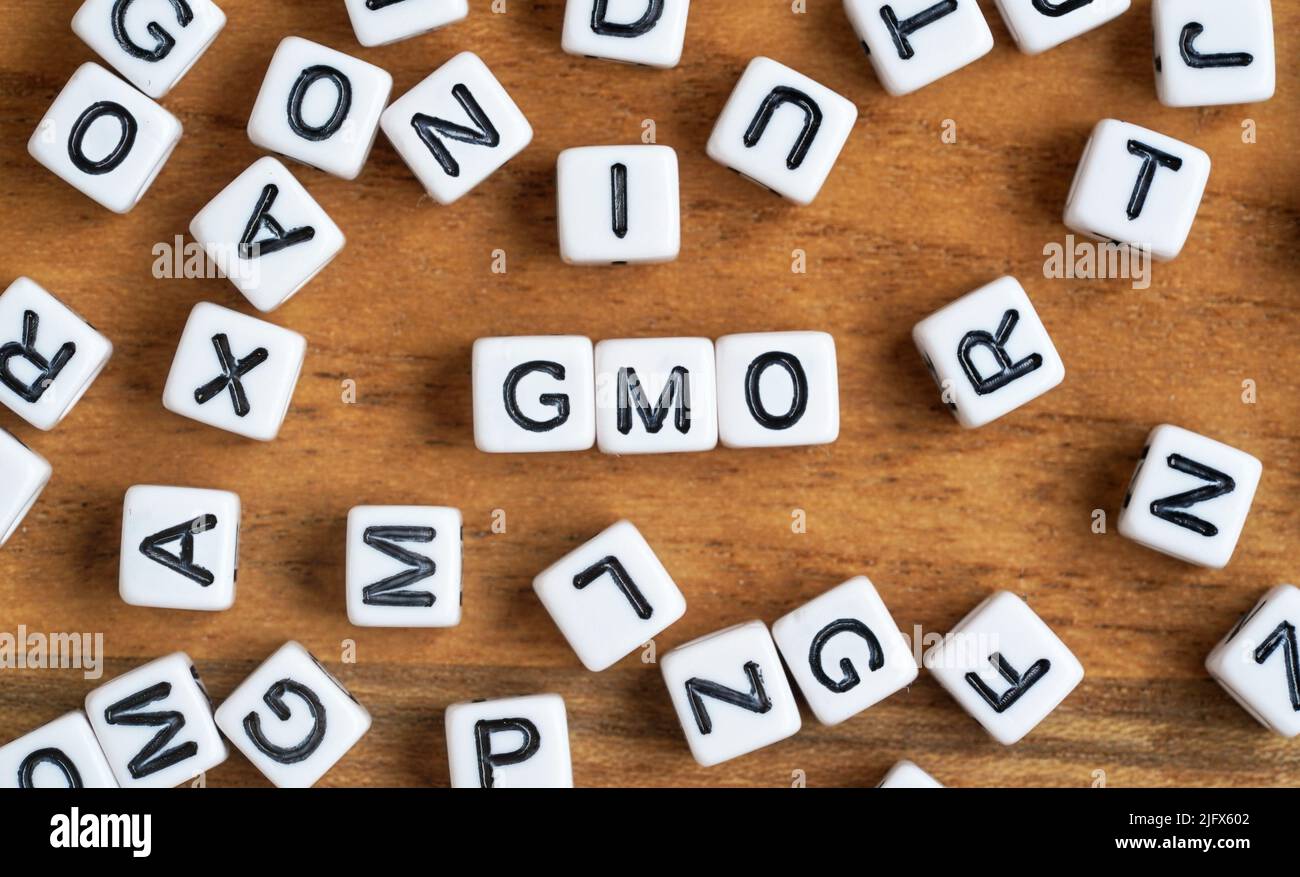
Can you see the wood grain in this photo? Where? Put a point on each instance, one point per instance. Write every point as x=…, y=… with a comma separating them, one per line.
x=938, y=517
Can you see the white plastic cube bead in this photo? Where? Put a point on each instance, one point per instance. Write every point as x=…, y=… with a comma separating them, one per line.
x=509, y=743
x=23, y=475
x=656, y=395
x=618, y=204
x=104, y=138
x=319, y=106
x=292, y=718
x=180, y=547
x=61, y=754
x=404, y=566
x=1005, y=666
x=152, y=44
x=777, y=389
x=649, y=32
x=534, y=393
x=1039, y=25
x=782, y=130
x=730, y=693
x=912, y=43
x=1208, y=52
x=266, y=234
x=49, y=356
x=234, y=372
x=844, y=651
x=1137, y=187
x=155, y=724
x=379, y=22
x=1258, y=662
x=907, y=775
x=1189, y=496
x=988, y=352
x=609, y=596
x=456, y=127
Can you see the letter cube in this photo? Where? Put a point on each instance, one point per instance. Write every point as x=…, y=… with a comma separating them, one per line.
x=534, y=393
x=151, y=44
x=104, y=138
x=404, y=566
x=647, y=32
x=155, y=724
x=1209, y=52
x=379, y=22
x=23, y=475
x=180, y=547
x=906, y=775
x=777, y=389
x=845, y=651
x=61, y=754
x=912, y=43
x=292, y=718
x=730, y=693
x=618, y=205
x=1039, y=25
x=1005, y=666
x=1258, y=662
x=1189, y=496
x=656, y=396
x=234, y=372
x=456, y=127
x=510, y=743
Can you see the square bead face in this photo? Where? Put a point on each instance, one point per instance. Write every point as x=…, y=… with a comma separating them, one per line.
x=104, y=138
x=23, y=475
x=782, y=130
x=180, y=547
x=1189, y=496
x=404, y=566
x=319, y=106
x=152, y=44
x=534, y=393
x=379, y=22
x=777, y=389
x=1258, y=662
x=609, y=596
x=1005, y=666
x=911, y=43
x=618, y=204
x=845, y=651
x=456, y=127
x=266, y=234
x=1038, y=25
x=49, y=356
x=907, y=775
x=1137, y=187
x=647, y=32
x=510, y=743
x=988, y=352
x=1208, y=52
x=155, y=724
x=234, y=372
x=655, y=396
x=62, y=754
x=292, y=718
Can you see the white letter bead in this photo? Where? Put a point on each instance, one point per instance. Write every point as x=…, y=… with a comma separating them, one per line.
x=1137, y=187
x=618, y=205
x=104, y=138
x=1005, y=666
x=1258, y=662
x=1039, y=25
x=777, y=389
x=647, y=32
x=379, y=22
x=782, y=130
x=534, y=393
x=1209, y=52
x=609, y=596
x=510, y=743
x=266, y=234
x=906, y=775
x=152, y=44
x=23, y=475
x=292, y=718
x=404, y=566
x=456, y=127
x=656, y=396
x=179, y=547
x=911, y=43
x=730, y=693
x=319, y=106
x=1189, y=496
x=155, y=724
x=52, y=355
x=845, y=651
x=61, y=754
x=234, y=372
x=988, y=352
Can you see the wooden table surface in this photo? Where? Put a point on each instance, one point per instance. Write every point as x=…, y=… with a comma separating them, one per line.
x=937, y=516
